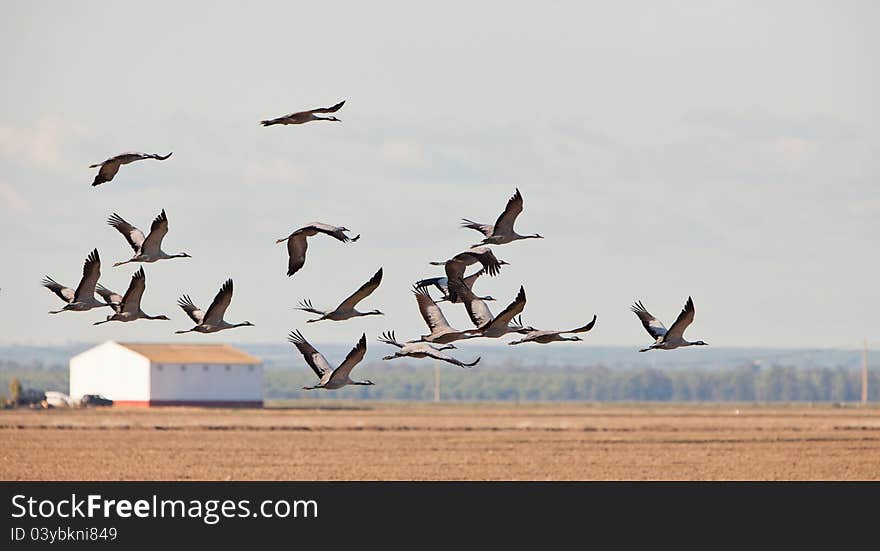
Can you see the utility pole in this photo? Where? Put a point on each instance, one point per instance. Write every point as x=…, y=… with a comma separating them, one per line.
x=436, y=380
x=865, y=373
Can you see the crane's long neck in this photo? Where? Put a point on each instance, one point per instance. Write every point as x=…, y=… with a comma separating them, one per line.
x=695, y=343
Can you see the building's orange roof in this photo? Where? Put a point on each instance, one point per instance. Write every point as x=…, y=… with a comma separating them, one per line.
x=192, y=353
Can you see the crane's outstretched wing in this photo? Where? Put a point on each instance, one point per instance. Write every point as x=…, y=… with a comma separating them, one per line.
x=363, y=292
x=471, y=279
x=513, y=309
x=441, y=283
x=485, y=229
x=297, y=246
x=194, y=312
x=134, y=236
x=486, y=257
x=306, y=306
x=476, y=308
x=352, y=359
x=131, y=301
x=215, y=312
x=449, y=359
x=505, y=221
x=91, y=272
x=388, y=338
x=685, y=318
x=332, y=109
x=332, y=231
x=652, y=325
x=315, y=359
x=64, y=293
x=431, y=313
x=583, y=329
x=158, y=229
x=108, y=170
x=157, y=156
x=112, y=298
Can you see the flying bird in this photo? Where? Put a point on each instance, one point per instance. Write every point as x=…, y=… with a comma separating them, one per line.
x=422, y=350
x=110, y=167
x=346, y=309
x=212, y=320
x=306, y=116
x=456, y=265
x=329, y=378
x=129, y=308
x=546, y=337
x=83, y=298
x=149, y=248
x=486, y=324
x=112, y=298
x=667, y=339
x=502, y=231
x=441, y=331
x=297, y=244
x=442, y=284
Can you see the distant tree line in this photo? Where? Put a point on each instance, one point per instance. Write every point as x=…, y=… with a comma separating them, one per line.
x=594, y=383
x=415, y=381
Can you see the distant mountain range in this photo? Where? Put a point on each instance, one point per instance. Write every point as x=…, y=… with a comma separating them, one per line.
x=277, y=355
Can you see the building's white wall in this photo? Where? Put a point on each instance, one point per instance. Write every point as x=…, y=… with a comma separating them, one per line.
x=111, y=370
x=216, y=383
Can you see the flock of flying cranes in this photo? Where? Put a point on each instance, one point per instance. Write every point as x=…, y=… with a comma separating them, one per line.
x=455, y=287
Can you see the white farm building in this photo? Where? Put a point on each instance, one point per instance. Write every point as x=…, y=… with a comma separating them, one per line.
x=168, y=375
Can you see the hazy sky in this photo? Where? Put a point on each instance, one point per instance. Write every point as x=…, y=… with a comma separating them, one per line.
x=724, y=150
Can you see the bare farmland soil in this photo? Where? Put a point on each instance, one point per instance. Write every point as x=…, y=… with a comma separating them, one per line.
x=444, y=442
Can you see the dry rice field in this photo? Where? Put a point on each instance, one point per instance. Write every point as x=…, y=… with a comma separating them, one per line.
x=446, y=441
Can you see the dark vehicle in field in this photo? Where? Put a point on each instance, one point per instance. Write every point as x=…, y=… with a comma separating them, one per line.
x=95, y=400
